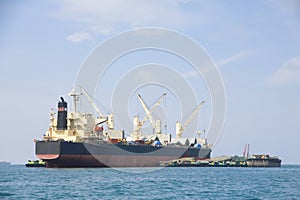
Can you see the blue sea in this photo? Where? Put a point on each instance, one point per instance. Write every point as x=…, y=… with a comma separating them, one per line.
x=19, y=182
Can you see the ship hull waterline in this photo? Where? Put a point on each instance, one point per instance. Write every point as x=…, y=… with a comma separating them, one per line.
x=61, y=154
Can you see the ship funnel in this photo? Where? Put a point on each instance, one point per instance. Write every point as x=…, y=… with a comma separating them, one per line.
x=62, y=115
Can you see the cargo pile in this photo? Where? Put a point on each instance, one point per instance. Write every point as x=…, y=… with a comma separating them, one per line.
x=225, y=161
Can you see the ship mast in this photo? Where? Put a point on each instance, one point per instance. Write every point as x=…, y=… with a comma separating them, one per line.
x=75, y=96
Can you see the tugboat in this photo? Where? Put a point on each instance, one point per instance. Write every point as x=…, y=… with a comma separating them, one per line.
x=35, y=163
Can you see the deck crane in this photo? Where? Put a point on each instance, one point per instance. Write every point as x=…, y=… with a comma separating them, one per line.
x=91, y=101
x=180, y=128
x=101, y=118
x=138, y=124
x=155, y=124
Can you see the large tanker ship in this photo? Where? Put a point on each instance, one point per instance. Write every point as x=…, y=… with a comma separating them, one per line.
x=76, y=139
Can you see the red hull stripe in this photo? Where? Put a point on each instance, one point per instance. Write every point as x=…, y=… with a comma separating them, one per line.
x=47, y=156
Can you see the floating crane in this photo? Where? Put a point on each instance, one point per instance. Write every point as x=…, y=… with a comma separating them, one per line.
x=180, y=128
x=138, y=124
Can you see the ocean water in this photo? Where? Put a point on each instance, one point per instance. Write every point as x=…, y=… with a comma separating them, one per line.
x=19, y=182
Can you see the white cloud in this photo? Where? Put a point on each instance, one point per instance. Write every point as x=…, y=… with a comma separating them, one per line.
x=233, y=58
x=194, y=74
x=191, y=74
x=107, y=17
x=145, y=75
x=79, y=36
x=287, y=74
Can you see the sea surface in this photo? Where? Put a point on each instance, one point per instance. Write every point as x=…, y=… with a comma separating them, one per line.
x=19, y=182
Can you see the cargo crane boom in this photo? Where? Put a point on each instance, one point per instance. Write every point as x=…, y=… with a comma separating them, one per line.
x=92, y=102
x=149, y=112
x=180, y=128
x=137, y=123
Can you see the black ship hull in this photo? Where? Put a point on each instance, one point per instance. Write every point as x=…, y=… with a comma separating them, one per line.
x=62, y=154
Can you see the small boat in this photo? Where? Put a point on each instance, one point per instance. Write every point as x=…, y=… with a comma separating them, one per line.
x=35, y=163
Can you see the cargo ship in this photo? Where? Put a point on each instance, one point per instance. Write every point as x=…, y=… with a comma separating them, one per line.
x=77, y=139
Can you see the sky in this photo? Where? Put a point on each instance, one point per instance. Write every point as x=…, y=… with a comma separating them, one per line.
x=255, y=45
